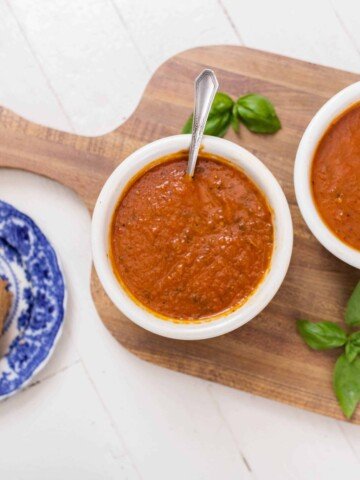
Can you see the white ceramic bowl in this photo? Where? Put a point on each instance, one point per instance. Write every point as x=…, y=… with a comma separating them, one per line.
x=280, y=260
x=302, y=173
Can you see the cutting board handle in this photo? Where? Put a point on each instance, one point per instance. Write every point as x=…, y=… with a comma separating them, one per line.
x=81, y=163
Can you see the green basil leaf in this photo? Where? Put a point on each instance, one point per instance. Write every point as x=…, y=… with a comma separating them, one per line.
x=257, y=113
x=219, y=117
x=351, y=351
x=321, y=335
x=188, y=125
x=352, y=312
x=222, y=103
x=218, y=125
x=354, y=338
x=346, y=383
x=352, y=347
x=235, y=121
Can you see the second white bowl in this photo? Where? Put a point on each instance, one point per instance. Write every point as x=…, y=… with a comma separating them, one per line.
x=302, y=173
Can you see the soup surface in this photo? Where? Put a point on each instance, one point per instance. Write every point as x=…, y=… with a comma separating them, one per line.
x=336, y=177
x=191, y=248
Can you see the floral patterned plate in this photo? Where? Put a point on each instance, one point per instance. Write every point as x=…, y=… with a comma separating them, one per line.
x=30, y=266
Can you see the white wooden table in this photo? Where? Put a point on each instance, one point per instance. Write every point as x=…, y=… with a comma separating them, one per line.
x=96, y=411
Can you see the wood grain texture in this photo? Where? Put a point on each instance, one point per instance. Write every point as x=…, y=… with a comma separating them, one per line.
x=266, y=356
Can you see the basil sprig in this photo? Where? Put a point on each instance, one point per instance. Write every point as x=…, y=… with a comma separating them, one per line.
x=255, y=111
x=326, y=335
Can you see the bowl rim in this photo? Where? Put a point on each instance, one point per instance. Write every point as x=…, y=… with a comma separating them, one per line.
x=226, y=322
x=317, y=127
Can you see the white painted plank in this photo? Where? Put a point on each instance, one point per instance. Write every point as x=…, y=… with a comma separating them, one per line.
x=308, y=30
x=88, y=57
x=23, y=87
x=59, y=429
x=169, y=424
x=283, y=442
x=348, y=14
x=98, y=55
x=352, y=435
x=162, y=28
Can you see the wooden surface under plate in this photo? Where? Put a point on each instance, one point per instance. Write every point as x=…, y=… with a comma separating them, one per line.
x=265, y=357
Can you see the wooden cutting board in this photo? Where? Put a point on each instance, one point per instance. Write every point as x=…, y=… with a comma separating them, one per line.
x=265, y=357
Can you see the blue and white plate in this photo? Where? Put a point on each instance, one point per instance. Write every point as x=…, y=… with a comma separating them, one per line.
x=33, y=326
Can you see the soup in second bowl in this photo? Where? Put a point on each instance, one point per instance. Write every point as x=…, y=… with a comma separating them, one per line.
x=335, y=177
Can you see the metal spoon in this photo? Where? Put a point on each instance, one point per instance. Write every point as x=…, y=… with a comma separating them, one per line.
x=206, y=86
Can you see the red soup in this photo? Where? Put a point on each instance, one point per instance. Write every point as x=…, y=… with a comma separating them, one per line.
x=191, y=248
x=336, y=177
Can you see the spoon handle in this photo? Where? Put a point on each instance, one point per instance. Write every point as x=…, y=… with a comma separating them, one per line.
x=206, y=86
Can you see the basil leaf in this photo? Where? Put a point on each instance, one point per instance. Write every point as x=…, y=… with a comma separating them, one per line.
x=219, y=117
x=321, y=335
x=354, y=338
x=352, y=347
x=346, y=382
x=218, y=125
x=351, y=351
x=188, y=125
x=257, y=113
x=235, y=121
x=222, y=103
x=352, y=312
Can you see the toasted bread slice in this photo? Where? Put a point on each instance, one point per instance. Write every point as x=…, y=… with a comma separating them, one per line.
x=5, y=302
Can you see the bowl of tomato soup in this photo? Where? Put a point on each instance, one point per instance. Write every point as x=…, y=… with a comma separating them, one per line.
x=327, y=175
x=191, y=258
